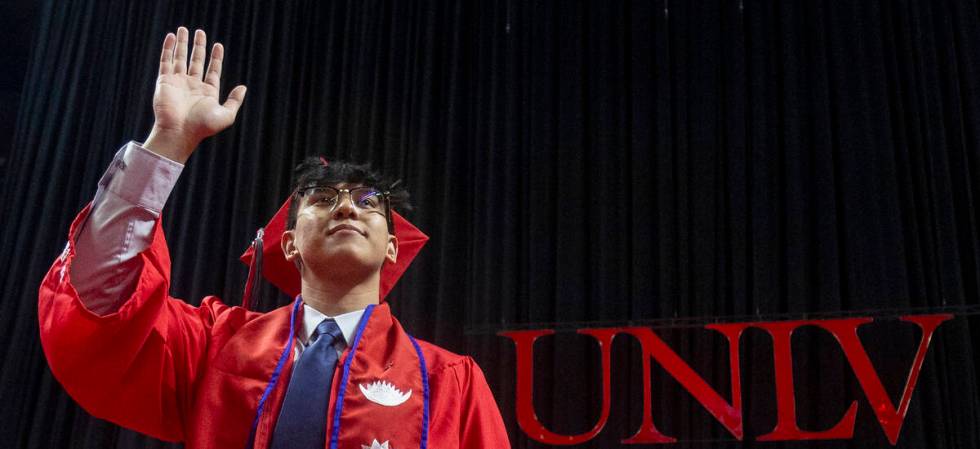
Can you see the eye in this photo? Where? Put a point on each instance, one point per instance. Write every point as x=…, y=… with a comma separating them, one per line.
x=322, y=197
x=368, y=199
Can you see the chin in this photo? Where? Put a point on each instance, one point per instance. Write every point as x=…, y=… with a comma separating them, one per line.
x=350, y=262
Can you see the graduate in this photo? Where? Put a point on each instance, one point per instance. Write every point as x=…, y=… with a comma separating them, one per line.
x=334, y=369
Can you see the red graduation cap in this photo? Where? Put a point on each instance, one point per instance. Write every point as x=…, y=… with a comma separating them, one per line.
x=283, y=274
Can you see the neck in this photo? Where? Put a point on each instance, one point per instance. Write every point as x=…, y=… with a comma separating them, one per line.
x=334, y=297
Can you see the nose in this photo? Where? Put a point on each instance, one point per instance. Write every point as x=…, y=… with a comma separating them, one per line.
x=345, y=206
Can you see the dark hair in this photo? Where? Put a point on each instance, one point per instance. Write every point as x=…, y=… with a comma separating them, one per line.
x=312, y=171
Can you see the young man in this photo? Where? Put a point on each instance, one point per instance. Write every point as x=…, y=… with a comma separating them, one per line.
x=334, y=369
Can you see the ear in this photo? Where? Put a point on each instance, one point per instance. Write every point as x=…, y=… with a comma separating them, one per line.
x=289, y=249
x=391, y=254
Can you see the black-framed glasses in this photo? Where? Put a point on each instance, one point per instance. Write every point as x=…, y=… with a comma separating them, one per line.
x=364, y=199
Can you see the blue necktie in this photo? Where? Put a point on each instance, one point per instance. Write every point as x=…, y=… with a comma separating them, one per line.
x=302, y=421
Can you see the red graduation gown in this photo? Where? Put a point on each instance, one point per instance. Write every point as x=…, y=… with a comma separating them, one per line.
x=196, y=374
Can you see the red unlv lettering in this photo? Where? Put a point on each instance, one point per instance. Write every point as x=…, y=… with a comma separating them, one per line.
x=729, y=413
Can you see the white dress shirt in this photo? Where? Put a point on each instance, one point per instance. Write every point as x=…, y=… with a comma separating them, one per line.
x=312, y=318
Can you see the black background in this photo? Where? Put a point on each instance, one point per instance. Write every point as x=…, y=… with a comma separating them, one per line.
x=574, y=162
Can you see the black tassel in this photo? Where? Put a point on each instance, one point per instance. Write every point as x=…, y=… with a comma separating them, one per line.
x=254, y=269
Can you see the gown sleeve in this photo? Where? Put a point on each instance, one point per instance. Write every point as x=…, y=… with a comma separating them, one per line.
x=131, y=357
x=480, y=424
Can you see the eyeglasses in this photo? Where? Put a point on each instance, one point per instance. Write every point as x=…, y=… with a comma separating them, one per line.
x=365, y=199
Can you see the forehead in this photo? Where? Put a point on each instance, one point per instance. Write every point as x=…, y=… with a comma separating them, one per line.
x=347, y=185
x=337, y=185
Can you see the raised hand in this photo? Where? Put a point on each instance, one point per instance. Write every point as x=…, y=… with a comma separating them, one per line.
x=185, y=102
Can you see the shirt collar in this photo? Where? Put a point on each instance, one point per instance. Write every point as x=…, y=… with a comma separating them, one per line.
x=346, y=321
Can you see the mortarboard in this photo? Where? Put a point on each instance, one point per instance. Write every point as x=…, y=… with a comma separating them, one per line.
x=272, y=263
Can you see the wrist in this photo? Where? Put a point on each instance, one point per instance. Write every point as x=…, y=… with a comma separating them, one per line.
x=173, y=145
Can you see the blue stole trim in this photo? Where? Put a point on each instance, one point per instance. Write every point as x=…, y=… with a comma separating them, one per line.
x=425, y=394
x=339, y=406
x=275, y=373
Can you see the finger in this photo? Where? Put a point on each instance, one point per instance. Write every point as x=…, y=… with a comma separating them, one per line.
x=213, y=76
x=167, y=54
x=180, y=54
x=235, y=99
x=197, y=55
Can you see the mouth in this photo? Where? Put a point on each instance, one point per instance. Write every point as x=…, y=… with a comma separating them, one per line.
x=342, y=228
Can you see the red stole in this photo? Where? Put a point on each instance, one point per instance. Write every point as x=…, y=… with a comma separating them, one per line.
x=380, y=388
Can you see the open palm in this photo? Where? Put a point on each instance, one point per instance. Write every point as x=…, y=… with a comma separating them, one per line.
x=185, y=101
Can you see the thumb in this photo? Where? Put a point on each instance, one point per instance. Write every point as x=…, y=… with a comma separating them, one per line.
x=235, y=98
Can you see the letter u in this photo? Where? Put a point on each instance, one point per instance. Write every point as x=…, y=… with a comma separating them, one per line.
x=526, y=417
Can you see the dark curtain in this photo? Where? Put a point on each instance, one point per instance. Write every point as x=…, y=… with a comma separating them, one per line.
x=575, y=163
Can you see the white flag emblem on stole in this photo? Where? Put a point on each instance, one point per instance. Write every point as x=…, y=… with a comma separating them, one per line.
x=384, y=393
x=375, y=445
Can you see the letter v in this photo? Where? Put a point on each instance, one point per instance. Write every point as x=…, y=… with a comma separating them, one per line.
x=846, y=333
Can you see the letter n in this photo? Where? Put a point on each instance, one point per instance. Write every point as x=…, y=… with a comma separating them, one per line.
x=729, y=415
